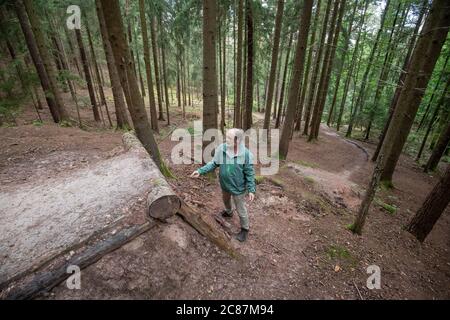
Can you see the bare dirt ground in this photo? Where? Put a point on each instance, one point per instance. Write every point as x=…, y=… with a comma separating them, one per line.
x=298, y=247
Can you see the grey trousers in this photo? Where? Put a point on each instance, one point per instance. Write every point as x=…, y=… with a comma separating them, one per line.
x=239, y=203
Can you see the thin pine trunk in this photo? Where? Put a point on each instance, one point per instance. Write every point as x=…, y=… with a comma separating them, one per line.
x=299, y=64
x=273, y=66
x=148, y=68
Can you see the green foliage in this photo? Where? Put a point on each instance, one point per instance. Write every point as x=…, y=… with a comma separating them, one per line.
x=37, y=123
x=309, y=180
x=391, y=209
x=259, y=179
x=306, y=164
x=338, y=252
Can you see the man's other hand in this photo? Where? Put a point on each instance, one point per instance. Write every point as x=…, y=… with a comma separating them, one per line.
x=251, y=197
x=195, y=174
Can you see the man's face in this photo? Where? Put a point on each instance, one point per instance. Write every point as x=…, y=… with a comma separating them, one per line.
x=230, y=140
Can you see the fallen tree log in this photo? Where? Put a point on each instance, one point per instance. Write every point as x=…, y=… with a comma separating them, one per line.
x=194, y=218
x=162, y=202
x=46, y=280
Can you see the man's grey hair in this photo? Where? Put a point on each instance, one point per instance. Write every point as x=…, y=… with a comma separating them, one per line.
x=236, y=133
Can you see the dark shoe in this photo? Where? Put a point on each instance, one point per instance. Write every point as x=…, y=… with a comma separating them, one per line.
x=242, y=236
x=227, y=214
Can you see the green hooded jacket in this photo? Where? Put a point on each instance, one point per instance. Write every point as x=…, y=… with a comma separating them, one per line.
x=236, y=172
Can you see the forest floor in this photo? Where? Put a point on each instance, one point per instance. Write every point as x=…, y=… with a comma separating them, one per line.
x=298, y=247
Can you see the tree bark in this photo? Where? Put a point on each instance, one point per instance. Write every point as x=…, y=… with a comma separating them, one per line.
x=249, y=83
x=299, y=65
x=432, y=120
x=283, y=85
x=210, y=99
x=333, y=37
x=122, y=57
x=273, y=66
x=60, y=111
x=238, y=93
x=317, y=62
x=164, y=69
x=148, y=67
x=306, y=77
x=116, y=87
x=438, y=150
x=156, y=67
x=432, y=208
x=87, y=75
x=97, y=75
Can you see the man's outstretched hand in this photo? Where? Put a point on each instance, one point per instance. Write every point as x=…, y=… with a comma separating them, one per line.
x=251, y=197
x=195, y=174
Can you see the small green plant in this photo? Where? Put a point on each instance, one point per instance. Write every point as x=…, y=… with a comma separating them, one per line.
x=339, y=252
x=37, y=123
x=277, y=182
x=387, y=185
x=65, y=124
x=259, y=179
x=306, y=164
x=309, y=180
x=391, y=209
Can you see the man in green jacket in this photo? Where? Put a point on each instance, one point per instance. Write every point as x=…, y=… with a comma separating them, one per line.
x=236, y=175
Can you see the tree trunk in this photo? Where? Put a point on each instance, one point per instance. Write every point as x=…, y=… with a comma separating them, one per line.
x=423, y=60
x=283, y=85
x=438, y=150
x=97, y=75
x=249, y=86
x=210, y=99
x=60, y=113
x=156, y=67
x=87, y=75
x=224, y=76
x=273, y=66
x=333, y=36
x=306, y=83
x=122, y=57
x=238, y=93
x=443, y=71
x=148, y=67
x=164, y=69
x=432, y=120
x=317, y=62
x=299, y=65
x=432, y=208
x=116, y=87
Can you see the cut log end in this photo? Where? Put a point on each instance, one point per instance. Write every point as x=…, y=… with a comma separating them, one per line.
x=164, y=207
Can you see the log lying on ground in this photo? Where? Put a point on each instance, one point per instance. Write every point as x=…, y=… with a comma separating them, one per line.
x=161, y=200
x=194, y=218
x=46, y=280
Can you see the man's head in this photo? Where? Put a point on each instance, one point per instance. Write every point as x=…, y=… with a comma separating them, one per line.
x=234, y=137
